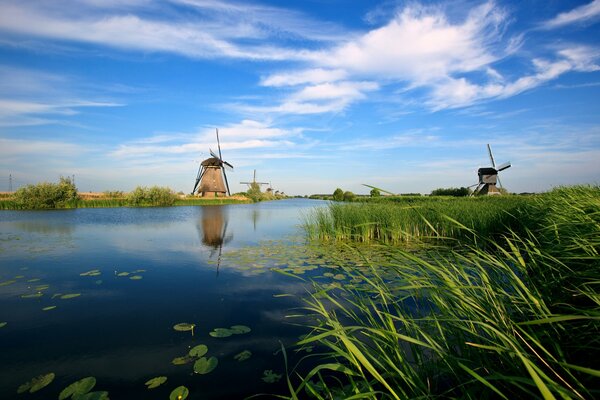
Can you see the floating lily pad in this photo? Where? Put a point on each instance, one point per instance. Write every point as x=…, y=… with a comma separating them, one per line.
x=243, y=356
x=198, y=351
x=6, y=283
x=179, y=393
x=156, y=382
x=270, y=377
x=182, y=360
x=37, y=383
x=239, y=329
x=136, y=277
x=3, y=324
x=94, y=272
x=32, y=295
x=123, y=274
x=221, y=332
x=137, y=271
x=339, y=277
x=184, y=327
x=48, y=308
x=19, y=276
x=205, y=365
x=70, y=296
x=41, y=287
x=34, y=280
x=78, y=388
x=100, y=395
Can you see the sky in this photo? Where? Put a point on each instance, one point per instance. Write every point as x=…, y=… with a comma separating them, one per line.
x=313, y=94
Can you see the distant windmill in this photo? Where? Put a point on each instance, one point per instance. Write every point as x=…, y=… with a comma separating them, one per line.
x=209, y=181
x=254, y=184
x=488, y=176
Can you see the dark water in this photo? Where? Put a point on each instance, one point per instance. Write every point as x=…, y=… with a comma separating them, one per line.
x=121, y=330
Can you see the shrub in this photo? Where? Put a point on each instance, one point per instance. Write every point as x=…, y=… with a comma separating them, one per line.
x=47, y=195
x=375, y=192
x=154, y=196
x=338, y=194
x=349, y=196
x=456, y=192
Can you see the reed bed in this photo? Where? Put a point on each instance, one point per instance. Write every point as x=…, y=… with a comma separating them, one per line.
x=399, y=222
x=517, y=318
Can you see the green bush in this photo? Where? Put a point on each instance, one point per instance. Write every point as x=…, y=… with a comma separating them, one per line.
x=375, y=192
x=338, y=195
x=47, y=195
x=349, y=196
x=456, y=192
x=154, y=196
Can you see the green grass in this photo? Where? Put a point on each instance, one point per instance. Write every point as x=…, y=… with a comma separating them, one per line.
x=7, y=204
x=516, y=318
x=406, y=219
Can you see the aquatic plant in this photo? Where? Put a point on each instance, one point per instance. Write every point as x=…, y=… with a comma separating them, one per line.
x=45, y=195
x=517, y=318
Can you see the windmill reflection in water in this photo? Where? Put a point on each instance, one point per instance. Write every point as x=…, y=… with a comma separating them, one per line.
x=213, y=230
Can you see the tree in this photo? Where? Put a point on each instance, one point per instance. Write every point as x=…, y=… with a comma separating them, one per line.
x=456, y=192
x=348, y=196
x=47, y=195
x=375, y=192
x=338, y=195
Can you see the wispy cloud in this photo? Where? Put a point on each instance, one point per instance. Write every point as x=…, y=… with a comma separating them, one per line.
x=585, y=13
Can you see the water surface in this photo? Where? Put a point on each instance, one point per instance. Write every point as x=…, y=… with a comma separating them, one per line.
x=120, y=330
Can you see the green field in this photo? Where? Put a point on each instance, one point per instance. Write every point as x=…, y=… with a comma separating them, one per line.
x=506, y=306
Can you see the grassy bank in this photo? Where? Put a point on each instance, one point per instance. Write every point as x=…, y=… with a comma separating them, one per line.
x=517, y=318
x=399, y=220
x=7, y=204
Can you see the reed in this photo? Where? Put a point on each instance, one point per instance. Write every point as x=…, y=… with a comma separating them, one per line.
x=518, y=318
x=395, y=222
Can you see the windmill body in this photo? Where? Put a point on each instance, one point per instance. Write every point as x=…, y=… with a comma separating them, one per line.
x=211, y=180
x=488, y=177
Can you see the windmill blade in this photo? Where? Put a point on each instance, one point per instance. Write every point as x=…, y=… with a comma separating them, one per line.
x=198, y=176
x=491, y=156
x=499, y=182
x=219, y=145
x=504, y=166
x=212, y=153
x=380, y=189
x=226, y=183
x=227, y=164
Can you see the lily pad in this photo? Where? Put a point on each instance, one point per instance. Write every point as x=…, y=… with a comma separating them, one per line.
x=205, y=365
x=94, y=272
x=136, y=277
x=78, y=388
x=184, y=327
x=100, y=395
x=243, y=356
x=31, y=295
x=6, y=283
x=70, y=296
x=41, y=287
x=239, y=329
x=198, y=351
x=156, y=382
x=37, y=383
x=3, y=324
x=34, y=280
x=179, y=393
x=270, y=377
x=123, y=274
x=221, y=332
x=48, y=308
x=339, y=277
x=182, y=360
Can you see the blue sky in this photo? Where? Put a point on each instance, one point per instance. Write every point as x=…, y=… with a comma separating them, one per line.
x=313, y=94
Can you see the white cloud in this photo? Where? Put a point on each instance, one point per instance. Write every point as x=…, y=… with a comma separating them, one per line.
x=580, y=14
x=310, y=76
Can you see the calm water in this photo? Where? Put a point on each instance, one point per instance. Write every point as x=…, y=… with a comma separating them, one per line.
x=120, y=330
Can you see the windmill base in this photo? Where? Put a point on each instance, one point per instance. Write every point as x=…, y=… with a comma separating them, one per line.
x=212, y=194
x=487, y=189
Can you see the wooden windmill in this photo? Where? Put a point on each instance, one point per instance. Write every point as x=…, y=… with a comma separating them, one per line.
x=488, y=176
x=254, y=184
x=211, y=179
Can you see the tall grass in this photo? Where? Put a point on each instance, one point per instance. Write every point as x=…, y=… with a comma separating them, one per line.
x=397, y=222
x=518, y=318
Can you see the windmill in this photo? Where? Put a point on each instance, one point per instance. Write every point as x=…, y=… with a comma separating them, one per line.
x=209, y=181
x=254, y=184
x=488, y=176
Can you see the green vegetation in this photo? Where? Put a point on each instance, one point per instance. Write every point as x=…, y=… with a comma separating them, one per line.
x=338, y=195
x=154, y=196
x=456, y=192
x=403, y=219
x=517, y=317
x=375, y=192
x=46, y=195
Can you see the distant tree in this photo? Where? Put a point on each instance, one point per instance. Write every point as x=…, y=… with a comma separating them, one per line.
x=456, y=192
x=154, y=196
x=338, y=195
x=375, y=192
x=349, y=196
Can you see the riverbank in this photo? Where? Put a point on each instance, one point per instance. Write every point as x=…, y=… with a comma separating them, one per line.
x=512, y=312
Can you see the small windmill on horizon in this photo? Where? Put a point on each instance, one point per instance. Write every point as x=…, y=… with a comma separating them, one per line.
x=211, y=179
x=488, y=177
